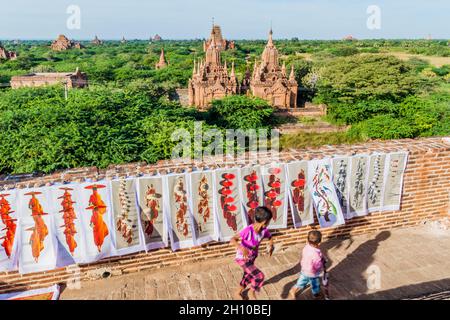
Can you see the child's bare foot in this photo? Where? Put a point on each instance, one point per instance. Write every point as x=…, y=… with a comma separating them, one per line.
x=252, y=295
x=293, y=293
x=238, y=294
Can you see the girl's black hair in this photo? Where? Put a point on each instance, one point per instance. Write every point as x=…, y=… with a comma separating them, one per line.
x=263, y=214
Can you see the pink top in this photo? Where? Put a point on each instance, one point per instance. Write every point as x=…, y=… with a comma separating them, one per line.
x=251, y=240
x=311, y=263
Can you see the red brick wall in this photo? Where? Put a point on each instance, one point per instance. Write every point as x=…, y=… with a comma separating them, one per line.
x=426, y=196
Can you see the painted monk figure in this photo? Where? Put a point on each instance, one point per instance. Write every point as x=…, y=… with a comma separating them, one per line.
x=39, y=224
x=98, y=207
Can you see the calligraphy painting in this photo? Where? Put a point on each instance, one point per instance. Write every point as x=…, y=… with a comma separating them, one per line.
x=202, y=204
x=375, y=181
x=179, y=212
x=8, y=230
x=38, y=244
x=151, y=207
x=299, y=193
x=341, y=179
x=230, y=214
x=96, y=218
x=275, y=194
x=394, y=171
x=359, y=167
x=67, y=222
x=323, y=194
x=252, y=191
x=127, y=236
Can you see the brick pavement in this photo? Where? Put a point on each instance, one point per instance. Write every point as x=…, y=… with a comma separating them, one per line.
x=413, y=262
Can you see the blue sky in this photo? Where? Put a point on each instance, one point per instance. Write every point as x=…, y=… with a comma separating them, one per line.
x=239, y=19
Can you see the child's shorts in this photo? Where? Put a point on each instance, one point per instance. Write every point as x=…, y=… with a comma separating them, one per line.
x=303, y=281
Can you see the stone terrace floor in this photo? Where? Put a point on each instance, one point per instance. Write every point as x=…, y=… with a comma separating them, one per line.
x=413, y=263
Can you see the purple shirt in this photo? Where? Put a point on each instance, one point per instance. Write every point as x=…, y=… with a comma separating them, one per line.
x=251, y=240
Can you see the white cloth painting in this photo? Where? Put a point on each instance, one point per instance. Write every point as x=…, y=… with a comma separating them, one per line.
x=8, y=231
x=323, y=193
x=252, y=195
x=127, y=237
x=94, y=203
x=49, y=293
x=340, y=170
x=179, y=213
x=230, y=212
x=151, y=199
x=275, y=194
x=376, y=181
x=359, y=173
x=202, y=202
x=299, y=193
x=38, y=244
x=394, y=171
x=69, y=230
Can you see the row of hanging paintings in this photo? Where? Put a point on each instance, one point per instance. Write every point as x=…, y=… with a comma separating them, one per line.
x=50, y=227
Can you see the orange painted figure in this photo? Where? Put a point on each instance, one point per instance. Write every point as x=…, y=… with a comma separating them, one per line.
x=98, y=207
x=69, y=216
x=40, y=230
x=10, y=225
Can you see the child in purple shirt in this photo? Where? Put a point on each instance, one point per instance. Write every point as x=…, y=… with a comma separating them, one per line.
x=247, y=251
x=312, y=266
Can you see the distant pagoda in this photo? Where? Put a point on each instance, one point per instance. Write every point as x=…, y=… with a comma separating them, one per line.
x=62, y=44
x=97, y=41
x=7, y=55
x=162, y=61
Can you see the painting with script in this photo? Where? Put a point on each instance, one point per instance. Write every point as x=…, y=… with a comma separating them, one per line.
x=179, y=212
x=275, y=194
x=151, y=199
x=375, y=181
x=230, y=213
x=252, y=191
x=359, y=169
x=394, y=171
x=324, y=195
x=299, y=193
x=341, y=179
x=202, y=203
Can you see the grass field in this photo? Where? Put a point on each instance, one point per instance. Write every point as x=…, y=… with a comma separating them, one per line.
x=436, y=61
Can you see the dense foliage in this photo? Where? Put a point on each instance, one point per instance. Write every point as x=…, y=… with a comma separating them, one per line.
x=125, y=114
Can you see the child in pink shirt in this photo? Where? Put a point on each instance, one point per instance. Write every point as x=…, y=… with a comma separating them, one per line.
x=247, y=251
x=312, y=266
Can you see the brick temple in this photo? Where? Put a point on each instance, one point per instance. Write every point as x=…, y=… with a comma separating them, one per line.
x=7, y=55
x=210, y=79
x=62, y=44
x=269, y=80
x=75, y=79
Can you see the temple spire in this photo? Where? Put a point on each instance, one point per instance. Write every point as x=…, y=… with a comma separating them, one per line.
x=283, y=69
x=292, y=75
x=270, y=42
x=233, y=73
